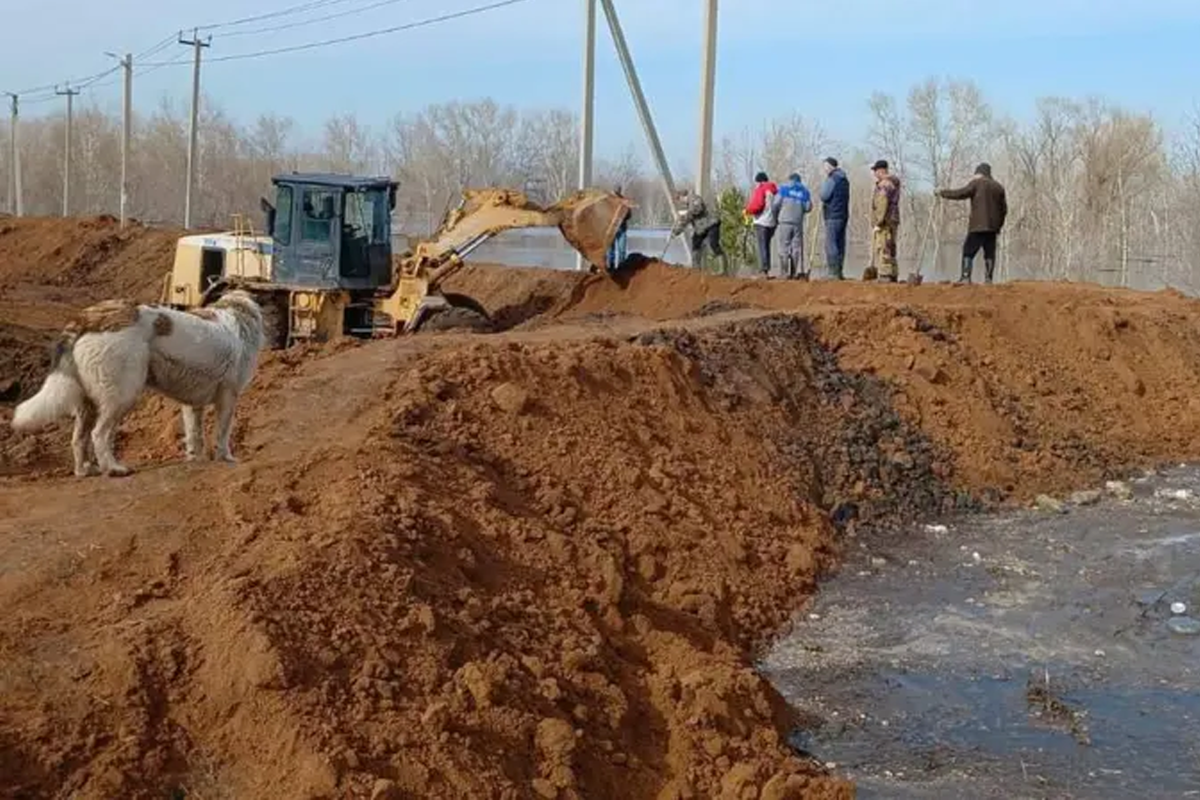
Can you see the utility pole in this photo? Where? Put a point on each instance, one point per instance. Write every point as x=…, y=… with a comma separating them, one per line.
x=643, y=109
x=68, y=93
x=587, y=117
x=197, y=45
x=708, y=75
x=126, y=122
x=15, y=206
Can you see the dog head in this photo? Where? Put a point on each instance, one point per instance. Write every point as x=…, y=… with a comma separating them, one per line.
x=240, y=301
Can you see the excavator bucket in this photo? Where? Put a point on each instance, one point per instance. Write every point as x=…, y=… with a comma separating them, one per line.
x=589, y=221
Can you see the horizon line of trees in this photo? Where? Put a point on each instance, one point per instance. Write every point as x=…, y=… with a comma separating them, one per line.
x=1096, y=192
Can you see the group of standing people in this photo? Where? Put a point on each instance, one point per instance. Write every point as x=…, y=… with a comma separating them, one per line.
x=778, y=213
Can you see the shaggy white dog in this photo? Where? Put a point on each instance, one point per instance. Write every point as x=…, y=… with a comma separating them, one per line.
x=117, y=349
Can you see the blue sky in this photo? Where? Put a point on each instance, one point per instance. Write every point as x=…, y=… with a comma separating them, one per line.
x=819, y=59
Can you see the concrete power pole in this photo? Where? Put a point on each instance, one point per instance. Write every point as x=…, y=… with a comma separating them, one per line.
x=708, y=75
x=126, y=123
x=68, y=93
x=587, y=116
x=643, y=109
x=15, y=206
x=193, y=128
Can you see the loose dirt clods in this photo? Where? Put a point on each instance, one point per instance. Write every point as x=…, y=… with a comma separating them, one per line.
x=535, y=564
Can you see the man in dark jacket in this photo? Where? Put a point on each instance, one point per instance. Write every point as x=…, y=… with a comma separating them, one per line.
x=989, y=209
x=835, y=209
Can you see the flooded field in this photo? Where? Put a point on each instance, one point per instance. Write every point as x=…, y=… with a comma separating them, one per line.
x=1049, y=653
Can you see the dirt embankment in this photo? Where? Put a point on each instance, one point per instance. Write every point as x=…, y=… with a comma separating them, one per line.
x=1030, y=387
x=538, y=564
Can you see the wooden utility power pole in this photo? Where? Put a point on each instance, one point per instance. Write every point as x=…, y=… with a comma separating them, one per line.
x=15, y=206
x=193, y=130
x=68, y=93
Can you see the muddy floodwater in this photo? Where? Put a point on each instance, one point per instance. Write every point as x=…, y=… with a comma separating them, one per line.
x=1038, y=654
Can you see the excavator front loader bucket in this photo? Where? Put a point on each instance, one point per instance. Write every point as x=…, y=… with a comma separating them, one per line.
x=589, y=220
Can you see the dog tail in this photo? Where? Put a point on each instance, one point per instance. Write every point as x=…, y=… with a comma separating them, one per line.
x=60, y=395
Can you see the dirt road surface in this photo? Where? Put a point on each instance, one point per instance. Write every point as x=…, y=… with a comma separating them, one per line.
x=538, y=563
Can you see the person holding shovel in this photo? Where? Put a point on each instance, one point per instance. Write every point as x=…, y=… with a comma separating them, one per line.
x=885, y=217
x=989, y=209
x=835, y=211
x=706, y=228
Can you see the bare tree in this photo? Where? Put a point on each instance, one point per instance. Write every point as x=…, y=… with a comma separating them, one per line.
x=1095, y=191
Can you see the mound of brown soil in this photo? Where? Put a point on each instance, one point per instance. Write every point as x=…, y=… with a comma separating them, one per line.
x=87, y=259
x=532, y=571
x=536, y=564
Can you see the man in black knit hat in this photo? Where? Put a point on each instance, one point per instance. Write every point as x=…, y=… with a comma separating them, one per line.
x=989, y=209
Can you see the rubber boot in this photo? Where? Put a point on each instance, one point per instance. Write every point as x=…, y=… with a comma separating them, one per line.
x=989, y=270
x=968, y=266
x=835, y=273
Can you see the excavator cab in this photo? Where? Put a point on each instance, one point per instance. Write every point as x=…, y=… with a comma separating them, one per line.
x=331, y=232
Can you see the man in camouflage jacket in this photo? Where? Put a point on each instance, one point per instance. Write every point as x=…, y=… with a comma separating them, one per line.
x=885, y=217
x=706, y=228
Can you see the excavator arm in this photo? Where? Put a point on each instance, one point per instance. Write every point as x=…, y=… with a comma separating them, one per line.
x=588, y=220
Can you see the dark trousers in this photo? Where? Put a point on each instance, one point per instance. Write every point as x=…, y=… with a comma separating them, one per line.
x=763, y=236
x=711, y=237
x=835, y=246
x=976, y=240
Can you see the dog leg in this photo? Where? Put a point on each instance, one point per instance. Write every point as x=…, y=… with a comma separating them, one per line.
x=104, y=436
x=193, y=432
x=226, y=400
x=81, y=441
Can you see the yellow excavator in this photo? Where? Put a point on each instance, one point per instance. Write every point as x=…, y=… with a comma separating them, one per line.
x=325, y=268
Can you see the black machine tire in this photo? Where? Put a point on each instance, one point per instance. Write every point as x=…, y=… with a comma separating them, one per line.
x=275, y=321
x=462, y=314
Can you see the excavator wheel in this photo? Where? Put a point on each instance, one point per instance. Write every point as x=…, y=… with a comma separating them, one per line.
x=463, y=313
x=274, y=313
x=275, y=319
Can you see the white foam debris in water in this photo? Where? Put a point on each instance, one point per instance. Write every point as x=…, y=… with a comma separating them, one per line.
x=938, y=529
x=1178, y=608
x=1174, y=494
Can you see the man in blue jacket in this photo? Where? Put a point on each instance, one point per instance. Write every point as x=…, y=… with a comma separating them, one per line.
x=835, y=208
x=791, y=204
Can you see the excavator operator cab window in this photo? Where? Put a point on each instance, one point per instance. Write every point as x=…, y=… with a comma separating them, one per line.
x=320, y=211
x=367, y=216
x=283, y=215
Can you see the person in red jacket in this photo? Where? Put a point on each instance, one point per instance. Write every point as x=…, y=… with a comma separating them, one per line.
x=761, y=207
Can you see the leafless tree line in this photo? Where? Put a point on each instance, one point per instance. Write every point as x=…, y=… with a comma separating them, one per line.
x=1096, y=192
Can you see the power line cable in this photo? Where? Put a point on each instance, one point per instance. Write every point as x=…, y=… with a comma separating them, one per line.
x=314, y=20
x=352, y=38
x=312, y=5
x=75, y=81
x=167, y=42
x=46, y=92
